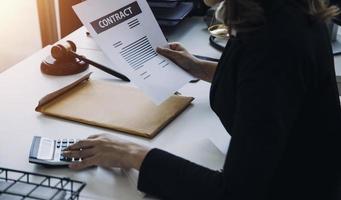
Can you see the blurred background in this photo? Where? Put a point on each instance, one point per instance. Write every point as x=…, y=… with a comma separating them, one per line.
x=28, y=25
x=19, y=32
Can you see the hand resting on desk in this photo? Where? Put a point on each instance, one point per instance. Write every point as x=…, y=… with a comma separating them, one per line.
x=106, y=151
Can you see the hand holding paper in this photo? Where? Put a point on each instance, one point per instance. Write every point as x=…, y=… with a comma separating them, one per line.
x=128, y=34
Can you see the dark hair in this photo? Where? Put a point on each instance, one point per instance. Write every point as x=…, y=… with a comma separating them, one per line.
x=246, y=15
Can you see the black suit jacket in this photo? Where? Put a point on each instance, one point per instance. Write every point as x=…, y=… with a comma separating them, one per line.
x=275, y=93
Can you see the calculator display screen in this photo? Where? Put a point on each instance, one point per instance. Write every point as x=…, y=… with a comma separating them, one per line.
x=46, y=149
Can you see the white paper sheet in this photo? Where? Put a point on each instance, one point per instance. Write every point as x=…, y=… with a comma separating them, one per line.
x=128, y=34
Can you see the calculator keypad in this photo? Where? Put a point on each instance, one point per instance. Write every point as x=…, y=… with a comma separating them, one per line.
x=61, y=145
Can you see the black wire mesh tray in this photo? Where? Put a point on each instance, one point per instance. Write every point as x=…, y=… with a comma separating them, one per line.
x=22, y=185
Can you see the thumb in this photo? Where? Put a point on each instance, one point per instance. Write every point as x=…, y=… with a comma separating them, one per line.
x=168, y=53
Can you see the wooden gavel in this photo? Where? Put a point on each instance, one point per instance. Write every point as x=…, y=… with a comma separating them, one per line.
x=65, y=61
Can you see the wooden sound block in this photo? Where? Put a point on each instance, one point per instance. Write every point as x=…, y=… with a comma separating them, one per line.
x=55, y=67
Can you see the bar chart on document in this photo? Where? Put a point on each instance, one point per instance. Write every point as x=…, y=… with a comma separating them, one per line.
x=128, y=34
x=138, y=53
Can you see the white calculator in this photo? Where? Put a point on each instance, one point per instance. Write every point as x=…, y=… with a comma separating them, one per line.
x=47, y=151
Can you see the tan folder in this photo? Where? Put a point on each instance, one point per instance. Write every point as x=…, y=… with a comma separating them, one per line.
x=114, y=106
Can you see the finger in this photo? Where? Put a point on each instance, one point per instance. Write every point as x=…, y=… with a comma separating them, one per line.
x=84, y=153
x=88, y=162
x=175, y=46
x=94, y=136
x=82, y=144
x=169, y=53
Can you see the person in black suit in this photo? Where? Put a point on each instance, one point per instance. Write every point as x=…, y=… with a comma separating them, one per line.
x=274, y=91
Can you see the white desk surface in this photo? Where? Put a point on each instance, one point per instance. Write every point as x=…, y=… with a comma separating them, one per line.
x=23, y=85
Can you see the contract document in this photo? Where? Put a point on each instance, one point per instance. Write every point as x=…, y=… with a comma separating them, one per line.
x=128, y=34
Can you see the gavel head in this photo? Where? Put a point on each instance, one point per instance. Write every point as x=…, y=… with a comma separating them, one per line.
x=63, y=61
x=64, y=51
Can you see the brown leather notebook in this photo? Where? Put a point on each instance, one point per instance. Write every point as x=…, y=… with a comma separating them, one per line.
x=114, y=106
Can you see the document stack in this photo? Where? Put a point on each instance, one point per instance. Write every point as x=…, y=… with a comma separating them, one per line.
x=170, y=12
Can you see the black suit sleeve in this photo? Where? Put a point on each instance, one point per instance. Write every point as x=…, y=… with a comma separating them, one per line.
x=170, y=177
x=270, y=89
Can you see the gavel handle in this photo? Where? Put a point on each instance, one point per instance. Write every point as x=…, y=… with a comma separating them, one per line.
x=101, y=67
